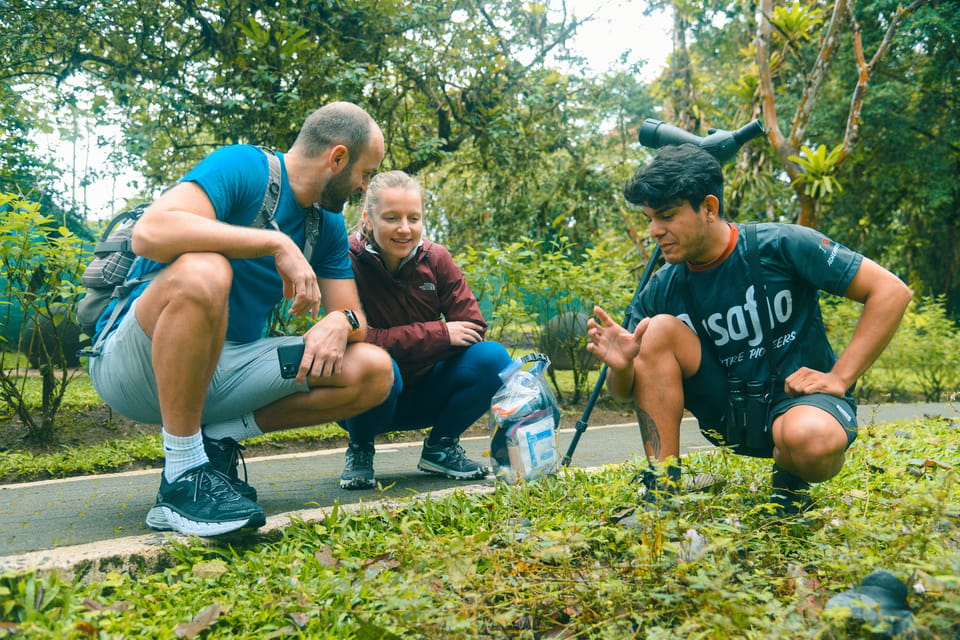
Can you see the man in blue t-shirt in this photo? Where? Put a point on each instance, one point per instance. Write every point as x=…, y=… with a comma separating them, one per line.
x=190, y=349
x=707, y=323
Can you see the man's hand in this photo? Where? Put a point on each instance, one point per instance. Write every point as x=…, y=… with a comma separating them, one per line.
x=324, y=346
x=805, y=381
x=464, y=333
x=613, y=344
x=299, y=279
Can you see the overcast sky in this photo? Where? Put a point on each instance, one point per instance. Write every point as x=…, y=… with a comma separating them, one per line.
x=619, y=26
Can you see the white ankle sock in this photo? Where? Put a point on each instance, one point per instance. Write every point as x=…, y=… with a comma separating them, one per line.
x=181, y=453
x=237, y=428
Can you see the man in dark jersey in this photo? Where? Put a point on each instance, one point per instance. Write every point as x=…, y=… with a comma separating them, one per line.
x=677, y=357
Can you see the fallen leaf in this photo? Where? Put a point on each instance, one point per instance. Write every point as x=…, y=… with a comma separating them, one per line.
x=703, y=481
x=299, y=618
x=623, y=513
x=288, y=630
x=200, y=623
x=210, y=570
x=375, y=566
x=326, y=558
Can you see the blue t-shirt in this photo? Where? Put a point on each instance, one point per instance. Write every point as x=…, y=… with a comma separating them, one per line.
x=235, y=179
x=797, y=262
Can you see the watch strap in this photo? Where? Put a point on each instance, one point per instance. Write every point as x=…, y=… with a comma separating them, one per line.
x=352, y=319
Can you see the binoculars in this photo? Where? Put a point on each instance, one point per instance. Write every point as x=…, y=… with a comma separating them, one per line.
x=722, y=145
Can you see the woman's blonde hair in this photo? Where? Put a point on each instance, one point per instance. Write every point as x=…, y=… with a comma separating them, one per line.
x=387, y=180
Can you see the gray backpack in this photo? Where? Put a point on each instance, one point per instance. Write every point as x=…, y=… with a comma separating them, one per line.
x=105, y=278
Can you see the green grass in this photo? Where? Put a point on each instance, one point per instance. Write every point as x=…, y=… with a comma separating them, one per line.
x=117, y=455
x=550, y=560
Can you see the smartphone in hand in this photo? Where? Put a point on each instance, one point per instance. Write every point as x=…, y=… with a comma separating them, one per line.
x=290, y=356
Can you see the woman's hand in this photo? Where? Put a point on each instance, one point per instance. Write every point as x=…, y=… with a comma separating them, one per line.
x=463, y=333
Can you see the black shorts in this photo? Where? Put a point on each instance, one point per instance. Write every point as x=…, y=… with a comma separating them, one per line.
x=706, y=396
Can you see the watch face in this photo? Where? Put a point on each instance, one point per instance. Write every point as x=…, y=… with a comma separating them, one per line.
x=352, y=318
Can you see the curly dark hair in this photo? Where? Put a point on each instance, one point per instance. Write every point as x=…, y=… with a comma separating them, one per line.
x=677, y=173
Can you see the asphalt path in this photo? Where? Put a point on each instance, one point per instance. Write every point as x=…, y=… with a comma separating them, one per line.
x=57, y=514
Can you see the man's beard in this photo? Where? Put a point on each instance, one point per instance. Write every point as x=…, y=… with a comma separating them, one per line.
x=337, y=191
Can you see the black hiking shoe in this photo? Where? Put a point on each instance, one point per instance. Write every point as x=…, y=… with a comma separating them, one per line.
x=225, y=456
x=201, y=502
x=447, y=458
x=790, y=494
x=358, y=470
x=661, y=489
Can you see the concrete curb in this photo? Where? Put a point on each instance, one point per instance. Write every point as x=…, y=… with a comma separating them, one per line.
x=150, y=553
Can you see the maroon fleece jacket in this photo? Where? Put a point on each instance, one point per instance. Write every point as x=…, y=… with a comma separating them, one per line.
x=406, y=312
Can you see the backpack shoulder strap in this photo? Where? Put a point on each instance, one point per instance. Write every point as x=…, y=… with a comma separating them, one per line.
x=271, y=197
x=760, y=291
x=122, y=242
x=312, y=231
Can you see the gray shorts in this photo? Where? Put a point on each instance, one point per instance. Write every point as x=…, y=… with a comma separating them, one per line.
x=247, y=376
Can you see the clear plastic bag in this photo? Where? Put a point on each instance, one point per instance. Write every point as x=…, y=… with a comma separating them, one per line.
x=524, y=422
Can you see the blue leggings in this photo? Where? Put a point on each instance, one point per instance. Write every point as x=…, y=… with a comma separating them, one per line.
x=450, y=398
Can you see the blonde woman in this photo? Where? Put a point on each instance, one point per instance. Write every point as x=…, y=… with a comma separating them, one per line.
x=421, y=310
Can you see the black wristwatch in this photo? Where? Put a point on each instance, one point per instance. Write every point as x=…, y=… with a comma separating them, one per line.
x=352, y=319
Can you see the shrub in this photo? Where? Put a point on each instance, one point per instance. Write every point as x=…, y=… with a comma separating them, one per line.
x=524, y=287
x=41, y=263
x=922, y=359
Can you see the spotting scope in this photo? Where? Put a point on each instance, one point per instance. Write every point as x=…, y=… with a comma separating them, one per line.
x=722, y=145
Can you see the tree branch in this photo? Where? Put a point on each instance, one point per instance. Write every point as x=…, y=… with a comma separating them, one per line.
x=865, y=71
x=828, y=48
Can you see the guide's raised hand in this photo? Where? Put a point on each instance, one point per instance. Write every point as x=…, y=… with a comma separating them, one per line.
x=612, y=343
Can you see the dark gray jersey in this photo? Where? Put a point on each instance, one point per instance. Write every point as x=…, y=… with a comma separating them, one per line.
x=797, y=263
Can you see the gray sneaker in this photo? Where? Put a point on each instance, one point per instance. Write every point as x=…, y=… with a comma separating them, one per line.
x=201, y=502
x=226, y=456
x=358, y=470
x=447, y=458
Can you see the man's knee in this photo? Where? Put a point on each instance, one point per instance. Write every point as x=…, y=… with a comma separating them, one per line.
x=668, y=336
x=374, y=371
x=810, y=433
x=200, y=278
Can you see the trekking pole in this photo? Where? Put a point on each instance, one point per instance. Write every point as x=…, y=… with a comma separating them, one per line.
x=581, y=425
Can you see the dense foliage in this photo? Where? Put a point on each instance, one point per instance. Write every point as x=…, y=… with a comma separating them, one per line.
x=510, y=134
